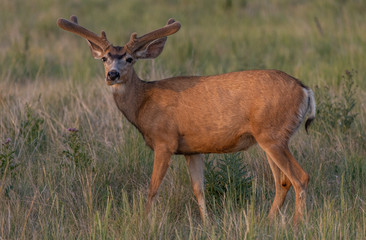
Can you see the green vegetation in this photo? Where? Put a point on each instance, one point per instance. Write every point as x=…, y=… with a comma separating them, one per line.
x=71, y=167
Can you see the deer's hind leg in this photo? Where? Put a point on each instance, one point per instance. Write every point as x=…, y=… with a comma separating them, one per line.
x=282, y=184
x=284, y=160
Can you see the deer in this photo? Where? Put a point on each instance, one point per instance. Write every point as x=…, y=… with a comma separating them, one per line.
x=197, y=115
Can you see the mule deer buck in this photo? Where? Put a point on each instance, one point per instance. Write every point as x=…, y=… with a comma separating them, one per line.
x=195, y=115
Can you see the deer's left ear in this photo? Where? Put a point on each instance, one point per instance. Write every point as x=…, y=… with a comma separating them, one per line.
x=96, y=51
x=151, y=49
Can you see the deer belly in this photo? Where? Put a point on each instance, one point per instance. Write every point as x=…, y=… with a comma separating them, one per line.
x=214, y=144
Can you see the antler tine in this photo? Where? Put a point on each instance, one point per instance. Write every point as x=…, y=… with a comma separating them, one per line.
x=74, y=19
x=137, y=42
x=74, y=27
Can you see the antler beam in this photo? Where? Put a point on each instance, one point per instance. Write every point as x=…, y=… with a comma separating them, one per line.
x=137, y=42
x=74, y=27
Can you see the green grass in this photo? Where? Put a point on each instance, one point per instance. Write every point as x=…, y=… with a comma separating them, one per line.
x=92, y=184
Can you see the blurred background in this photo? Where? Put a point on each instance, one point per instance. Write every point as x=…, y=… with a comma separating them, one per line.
x=315, y=41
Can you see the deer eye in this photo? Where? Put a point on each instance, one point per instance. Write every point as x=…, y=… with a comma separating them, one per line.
x=104, y=59
x=129, y=60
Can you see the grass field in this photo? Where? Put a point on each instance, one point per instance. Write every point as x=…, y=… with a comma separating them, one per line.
x=71, y=166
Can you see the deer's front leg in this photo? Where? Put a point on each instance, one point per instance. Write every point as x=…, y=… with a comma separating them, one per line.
x=196, y=169
x=161, y=164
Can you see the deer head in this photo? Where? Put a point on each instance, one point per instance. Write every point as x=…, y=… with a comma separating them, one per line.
x=119, y=60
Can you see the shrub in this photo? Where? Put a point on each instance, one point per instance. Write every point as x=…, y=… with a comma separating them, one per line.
x=8, y=165
x=76, y=154
x=32, y=129
x=336, y=112
x=227, y=177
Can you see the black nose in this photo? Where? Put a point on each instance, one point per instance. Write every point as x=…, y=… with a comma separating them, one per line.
x=113, y=75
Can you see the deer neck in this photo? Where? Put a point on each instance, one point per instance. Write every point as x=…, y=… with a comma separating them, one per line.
x=129, y=96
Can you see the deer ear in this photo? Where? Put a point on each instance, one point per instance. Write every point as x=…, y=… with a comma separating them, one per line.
x=152, y=49
x=96, y=51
